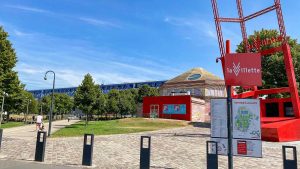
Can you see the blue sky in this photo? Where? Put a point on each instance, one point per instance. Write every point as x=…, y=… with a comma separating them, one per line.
x=120, y=41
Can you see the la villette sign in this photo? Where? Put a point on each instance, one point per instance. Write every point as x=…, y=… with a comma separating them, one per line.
x=243, y=69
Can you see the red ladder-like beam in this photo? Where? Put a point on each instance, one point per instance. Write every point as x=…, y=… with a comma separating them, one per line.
x=242, y=24
x=256, y=14
x=218, y=27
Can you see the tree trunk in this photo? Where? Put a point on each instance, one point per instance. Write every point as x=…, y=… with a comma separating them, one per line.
x=86, y=119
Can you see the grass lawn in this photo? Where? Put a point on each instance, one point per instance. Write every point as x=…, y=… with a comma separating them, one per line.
x=121, y=126
x=12, y=124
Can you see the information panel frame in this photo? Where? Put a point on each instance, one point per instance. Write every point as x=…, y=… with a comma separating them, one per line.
x=245, y=143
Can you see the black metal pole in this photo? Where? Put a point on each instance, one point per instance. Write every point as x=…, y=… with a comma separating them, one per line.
x=52, y=100
x=229, y=127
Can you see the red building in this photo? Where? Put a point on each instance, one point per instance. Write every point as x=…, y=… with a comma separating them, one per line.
x=176, y=107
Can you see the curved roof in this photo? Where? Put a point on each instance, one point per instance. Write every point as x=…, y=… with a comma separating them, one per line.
x=194, y=75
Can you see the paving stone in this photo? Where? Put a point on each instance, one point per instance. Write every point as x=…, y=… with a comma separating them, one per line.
x=184, y=150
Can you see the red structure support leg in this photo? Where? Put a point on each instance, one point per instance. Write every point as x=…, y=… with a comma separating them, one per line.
x=291, y=79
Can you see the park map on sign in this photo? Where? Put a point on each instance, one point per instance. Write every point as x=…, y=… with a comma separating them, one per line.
x=244, y=119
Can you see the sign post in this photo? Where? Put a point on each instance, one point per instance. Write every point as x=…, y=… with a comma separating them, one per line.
x=229, y=128
x=229, y=116
x=240, y=69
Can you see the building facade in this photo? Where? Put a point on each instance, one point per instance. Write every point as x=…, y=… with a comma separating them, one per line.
x=196, y=82
x=186, y=97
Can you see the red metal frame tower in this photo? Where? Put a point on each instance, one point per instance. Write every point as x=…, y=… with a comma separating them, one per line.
x=279, y=128
x=284, y=47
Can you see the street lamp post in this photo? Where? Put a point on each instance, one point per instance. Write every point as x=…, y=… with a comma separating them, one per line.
x=3, y=98
x=51, y=107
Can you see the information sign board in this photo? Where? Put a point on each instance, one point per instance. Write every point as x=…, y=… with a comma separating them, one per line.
x=246, y=127
x=218, y=109
x=246, y=118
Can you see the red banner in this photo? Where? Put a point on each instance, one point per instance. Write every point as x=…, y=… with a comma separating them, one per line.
x=242, y=147
x=243, y=69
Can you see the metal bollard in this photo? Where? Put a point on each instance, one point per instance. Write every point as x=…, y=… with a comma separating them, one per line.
x=1, y=131
x=40, y=146
x=212, y=158
x=289, y=163
x=87, y=157
x=145, y=153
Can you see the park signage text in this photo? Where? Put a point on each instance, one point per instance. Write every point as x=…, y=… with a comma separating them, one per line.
x=243, y=69
x=258, y=43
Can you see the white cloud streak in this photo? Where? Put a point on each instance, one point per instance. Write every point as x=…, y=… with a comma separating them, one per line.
x=195, y=25
x=98, y=22
x=27, y=8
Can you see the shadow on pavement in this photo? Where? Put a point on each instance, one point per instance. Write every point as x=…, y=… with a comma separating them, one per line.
x=200, y=124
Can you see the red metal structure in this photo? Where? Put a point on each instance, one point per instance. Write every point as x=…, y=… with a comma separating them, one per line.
x=279, y=127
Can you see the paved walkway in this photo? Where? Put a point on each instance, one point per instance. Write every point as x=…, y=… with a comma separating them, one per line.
x=180, y=148
x=28, y=132
x=12, y=164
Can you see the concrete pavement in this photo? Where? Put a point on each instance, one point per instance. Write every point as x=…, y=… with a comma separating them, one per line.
x=178, y=148
x=28, y=132
x=12, y=164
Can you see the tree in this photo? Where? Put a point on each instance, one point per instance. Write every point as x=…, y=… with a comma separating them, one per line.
x=46, y=104
x=85, y=96
x=63, y=103
x=9, y=81
x=146, y=90
x=273, y=68
x=113, y=101
x=126, y=102
x=27, y=99
x=100, y=105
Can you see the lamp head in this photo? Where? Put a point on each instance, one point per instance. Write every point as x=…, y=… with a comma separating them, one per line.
x=45, y=78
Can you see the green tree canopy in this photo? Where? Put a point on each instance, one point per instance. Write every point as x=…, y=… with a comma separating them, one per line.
x=46, y=104
x=63, y=103
x=273, y=69
x=127, y=102
x=85, y=95
x=100, y=106
x=146, y=90
x=113, y=101
x=9, y=81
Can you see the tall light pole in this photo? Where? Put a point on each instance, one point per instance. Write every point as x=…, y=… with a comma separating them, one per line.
x=51, y=107
x=28, y=101
x=3, y=98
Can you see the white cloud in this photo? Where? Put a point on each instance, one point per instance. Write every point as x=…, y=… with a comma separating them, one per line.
x=192, y=27
x=28, y=69
x=21, y=33
x=198, y=28
x=98, y=22
x=27, y=8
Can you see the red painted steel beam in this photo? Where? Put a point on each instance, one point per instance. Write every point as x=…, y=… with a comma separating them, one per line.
x=242, y=25
x=218, y=27
x=271, y=51
x=238, y=20
x=256, y=14
x=291, y=79
x=244, y=95
x=272, y=91
x=262, y=92
x=280, y=20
